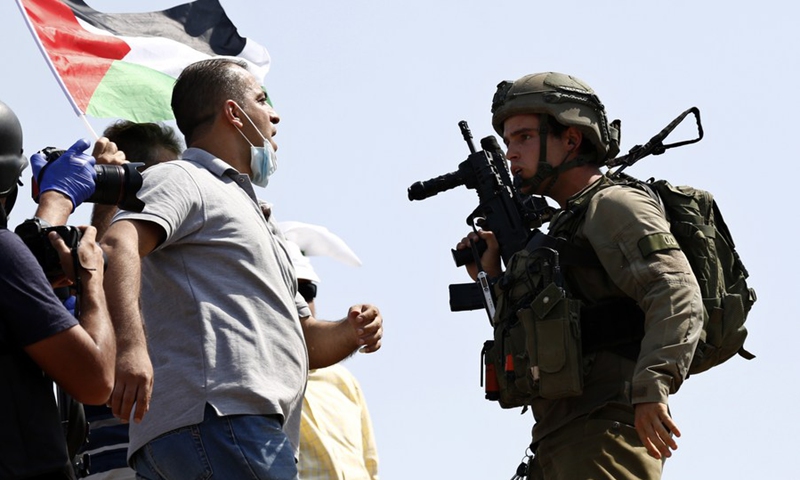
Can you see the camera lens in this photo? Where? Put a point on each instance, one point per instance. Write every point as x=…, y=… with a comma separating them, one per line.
x=114, y=184
x=109, y=184
x=118, y=185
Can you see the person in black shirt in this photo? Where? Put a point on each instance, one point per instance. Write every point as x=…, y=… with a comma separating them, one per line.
x=40, y=340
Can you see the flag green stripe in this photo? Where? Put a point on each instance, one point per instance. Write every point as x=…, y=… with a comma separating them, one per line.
x=133, y=92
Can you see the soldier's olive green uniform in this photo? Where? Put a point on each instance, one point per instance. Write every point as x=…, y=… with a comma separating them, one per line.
x=641, y=312
x=592, y=435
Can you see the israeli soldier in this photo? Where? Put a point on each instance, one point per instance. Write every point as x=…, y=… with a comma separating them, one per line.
x=601, y=403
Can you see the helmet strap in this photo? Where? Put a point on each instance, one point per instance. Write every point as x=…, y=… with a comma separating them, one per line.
x=554, y=172
x=11, y=199
x=549, y=173
x=544, y=170
x=544, y=130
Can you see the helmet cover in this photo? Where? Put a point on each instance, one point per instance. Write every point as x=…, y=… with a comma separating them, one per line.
x=566, y=98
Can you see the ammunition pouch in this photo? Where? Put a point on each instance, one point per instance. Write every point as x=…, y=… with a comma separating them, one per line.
x=553, y=330
x=537, y=350
x=541, y=334
x=538, y=353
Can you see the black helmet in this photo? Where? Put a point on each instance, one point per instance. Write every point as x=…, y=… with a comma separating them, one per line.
x=12, y=162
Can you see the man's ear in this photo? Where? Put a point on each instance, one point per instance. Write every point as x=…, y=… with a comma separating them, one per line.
x=233, y=113
x=573, y=137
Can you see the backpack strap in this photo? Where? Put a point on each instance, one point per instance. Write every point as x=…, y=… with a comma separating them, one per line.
x=569, y=253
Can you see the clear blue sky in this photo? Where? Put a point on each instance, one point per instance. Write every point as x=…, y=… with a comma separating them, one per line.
x=370, y=94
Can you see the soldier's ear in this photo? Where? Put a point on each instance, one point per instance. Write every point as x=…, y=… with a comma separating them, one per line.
x=573, y=137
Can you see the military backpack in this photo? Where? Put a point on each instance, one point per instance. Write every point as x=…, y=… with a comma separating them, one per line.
x=697, y=224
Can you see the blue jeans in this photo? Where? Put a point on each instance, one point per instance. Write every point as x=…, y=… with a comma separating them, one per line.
x=236, y=446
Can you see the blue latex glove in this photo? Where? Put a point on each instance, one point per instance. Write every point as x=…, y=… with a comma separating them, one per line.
x=71, y=174
x=69, y=303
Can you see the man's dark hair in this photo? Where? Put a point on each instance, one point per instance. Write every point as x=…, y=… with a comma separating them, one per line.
x=201, y=88
x=141, y=141
x=557, y=129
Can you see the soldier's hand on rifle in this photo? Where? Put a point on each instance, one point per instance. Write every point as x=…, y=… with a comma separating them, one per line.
x=490, y=260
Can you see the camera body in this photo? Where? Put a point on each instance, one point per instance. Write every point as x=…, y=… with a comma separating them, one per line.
x=34, y=234
x=114, y=184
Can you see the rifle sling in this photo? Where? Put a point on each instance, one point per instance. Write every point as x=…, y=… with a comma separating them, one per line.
x=569, y=254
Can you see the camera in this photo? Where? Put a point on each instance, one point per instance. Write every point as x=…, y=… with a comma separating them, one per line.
x=114, y=184
x=35, y=237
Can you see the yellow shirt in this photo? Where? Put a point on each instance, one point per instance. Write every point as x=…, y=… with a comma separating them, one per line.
x=336, y=439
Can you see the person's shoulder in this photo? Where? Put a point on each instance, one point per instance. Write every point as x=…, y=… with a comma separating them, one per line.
x=618, y=199
x=172, y=176
x=170, y=167
x=623, y=212
x=343, y=376
x=7, y=237
x=14, y=250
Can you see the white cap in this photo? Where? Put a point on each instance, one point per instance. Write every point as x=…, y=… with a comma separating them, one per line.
x=305, y=240
x=302, y=265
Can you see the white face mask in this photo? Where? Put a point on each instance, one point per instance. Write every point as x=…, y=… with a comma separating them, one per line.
x=263, y=160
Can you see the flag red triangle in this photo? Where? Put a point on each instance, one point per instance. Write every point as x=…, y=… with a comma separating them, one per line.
x=80, y=57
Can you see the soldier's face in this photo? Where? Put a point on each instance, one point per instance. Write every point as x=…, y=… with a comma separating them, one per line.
x=523, y=146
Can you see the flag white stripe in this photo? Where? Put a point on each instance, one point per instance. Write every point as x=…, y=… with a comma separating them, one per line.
x=171, y=57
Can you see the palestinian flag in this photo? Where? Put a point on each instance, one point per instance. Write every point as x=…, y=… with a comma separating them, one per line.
x=123, y=65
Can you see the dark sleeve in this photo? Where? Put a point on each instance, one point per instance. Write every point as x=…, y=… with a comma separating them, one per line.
x=30, y=310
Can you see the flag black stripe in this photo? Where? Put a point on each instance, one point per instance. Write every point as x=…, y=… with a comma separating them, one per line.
x=202, y=25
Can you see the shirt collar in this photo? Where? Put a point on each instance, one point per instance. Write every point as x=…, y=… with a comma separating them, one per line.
x=211, y=163
x=220, y=168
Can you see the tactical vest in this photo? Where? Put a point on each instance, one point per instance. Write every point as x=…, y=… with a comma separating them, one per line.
x=541, y=332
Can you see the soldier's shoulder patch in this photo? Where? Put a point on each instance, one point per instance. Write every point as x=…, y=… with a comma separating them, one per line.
x=657, y=242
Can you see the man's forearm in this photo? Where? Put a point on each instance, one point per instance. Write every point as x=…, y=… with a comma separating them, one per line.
x=95, y=319
x=133, y=382
x=101, y=218
x=122, y=286
x=328, y=342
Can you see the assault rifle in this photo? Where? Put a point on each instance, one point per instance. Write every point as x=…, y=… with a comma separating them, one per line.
x=510, y=215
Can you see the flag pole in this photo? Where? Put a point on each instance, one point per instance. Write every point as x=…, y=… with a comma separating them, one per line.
x=88, y=126
x=53, y=69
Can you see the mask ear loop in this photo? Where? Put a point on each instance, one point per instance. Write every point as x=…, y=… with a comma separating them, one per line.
x=267, y=145
x=263, y=138
x=240, y=130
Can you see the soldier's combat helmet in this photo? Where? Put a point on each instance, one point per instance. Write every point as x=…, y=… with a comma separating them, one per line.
x=569, y=100
x=12, y=162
